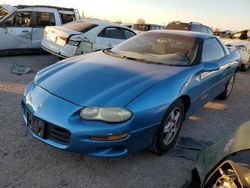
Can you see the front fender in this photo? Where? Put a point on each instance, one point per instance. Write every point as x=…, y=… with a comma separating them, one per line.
x=151, y=105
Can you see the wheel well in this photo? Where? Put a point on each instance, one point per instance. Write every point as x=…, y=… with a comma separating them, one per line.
x=186, y=101
x=238, y=69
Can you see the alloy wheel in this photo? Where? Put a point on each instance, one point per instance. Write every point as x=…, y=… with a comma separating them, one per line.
x=172, y=126
x=230, y=85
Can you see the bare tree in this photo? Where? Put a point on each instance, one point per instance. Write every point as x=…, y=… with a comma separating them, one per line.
x=141, y=21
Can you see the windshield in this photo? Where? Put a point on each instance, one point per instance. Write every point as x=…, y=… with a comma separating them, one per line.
x=3, y=12
x=159, y=48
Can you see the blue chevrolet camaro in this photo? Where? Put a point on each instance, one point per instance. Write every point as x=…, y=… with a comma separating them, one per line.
x=118, y=101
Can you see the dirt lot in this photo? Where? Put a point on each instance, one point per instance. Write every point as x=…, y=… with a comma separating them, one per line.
x=25, y=162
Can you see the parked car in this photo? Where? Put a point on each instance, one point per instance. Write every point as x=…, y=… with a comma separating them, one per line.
x=83, y=36
x=139, y=28
x=23, y=29
x=241, y=41
x=118, y=101
x=128, y=25
x=219, y=33
x=192, y=26
x=5, y=10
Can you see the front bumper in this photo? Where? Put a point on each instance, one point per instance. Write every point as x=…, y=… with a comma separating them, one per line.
x=61, y=114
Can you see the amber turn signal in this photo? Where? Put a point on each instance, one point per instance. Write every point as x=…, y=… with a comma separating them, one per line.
x=116, y=137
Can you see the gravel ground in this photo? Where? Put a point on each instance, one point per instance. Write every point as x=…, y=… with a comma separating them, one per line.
x=25, y=162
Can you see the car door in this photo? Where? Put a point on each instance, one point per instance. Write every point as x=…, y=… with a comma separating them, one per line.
x=16, y=31
x=109, y=37
x=41, y=20
x=212, y=83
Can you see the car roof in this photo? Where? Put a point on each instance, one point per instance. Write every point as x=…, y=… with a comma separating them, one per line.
x=43, y=6
x=188, y=23
x=102, y=23
x=147, y=24
x=185, y=33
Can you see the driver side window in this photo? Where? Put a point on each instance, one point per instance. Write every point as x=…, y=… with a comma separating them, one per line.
x=212, y=50
x=19, y=19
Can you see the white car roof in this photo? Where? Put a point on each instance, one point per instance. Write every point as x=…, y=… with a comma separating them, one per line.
x=102, y=23
x=44, y=8
x=38, y=9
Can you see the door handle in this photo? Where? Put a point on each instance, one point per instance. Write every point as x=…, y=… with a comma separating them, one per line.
x=25, y=31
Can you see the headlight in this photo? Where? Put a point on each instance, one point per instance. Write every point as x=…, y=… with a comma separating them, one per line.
x=28, y=88
x=35, y=79
x=111, y=114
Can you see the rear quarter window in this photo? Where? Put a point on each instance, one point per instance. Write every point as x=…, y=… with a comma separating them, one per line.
x=112, y=32
x=128, y=34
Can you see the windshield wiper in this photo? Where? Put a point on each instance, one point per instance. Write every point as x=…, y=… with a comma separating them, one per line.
x=108, y=50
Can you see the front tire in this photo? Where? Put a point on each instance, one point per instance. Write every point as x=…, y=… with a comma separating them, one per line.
x=167, y=133
x=229, y=87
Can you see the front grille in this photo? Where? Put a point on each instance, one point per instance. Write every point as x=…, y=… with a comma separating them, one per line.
x=48, y=131
x=58, y=134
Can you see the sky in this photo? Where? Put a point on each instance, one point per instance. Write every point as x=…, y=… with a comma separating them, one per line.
x=222, y=14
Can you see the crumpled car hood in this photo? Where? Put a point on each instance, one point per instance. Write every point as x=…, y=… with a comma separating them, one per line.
x=98, y=79
x=228, y=145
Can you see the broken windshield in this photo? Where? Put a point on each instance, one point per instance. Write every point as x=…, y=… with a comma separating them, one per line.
x=160, y=47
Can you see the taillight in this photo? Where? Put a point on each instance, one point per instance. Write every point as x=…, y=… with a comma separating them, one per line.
x=64, y=38
x=45, y=32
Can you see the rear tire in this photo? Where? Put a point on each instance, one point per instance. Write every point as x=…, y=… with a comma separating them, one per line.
x=167, y=133
x=229, y=87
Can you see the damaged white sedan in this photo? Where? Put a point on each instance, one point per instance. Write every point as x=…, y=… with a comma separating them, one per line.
x=83, y=36
x=241, y=41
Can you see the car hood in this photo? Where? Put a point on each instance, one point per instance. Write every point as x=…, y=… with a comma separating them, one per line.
x=211, y=157
x=98, y=79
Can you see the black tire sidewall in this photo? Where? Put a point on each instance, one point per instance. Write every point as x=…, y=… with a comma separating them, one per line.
x=159, y=146
x=227, y=95
x=224, y=95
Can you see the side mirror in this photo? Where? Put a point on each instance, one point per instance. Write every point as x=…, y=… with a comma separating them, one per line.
x=231, y=49
x=209, y=67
